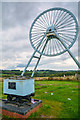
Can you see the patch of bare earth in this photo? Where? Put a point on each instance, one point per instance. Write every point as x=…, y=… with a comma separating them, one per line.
x=41, y=84
x=1, y=79
x=50, y=84
x=43, y=116
x=76, y=86
x=68, y=84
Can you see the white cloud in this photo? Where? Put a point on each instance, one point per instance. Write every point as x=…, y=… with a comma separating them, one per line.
x=16, y=45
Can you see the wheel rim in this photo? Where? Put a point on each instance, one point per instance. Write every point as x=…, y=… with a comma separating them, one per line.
x=65, y=24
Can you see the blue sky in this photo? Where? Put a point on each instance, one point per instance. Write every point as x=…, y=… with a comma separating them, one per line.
x=16, y=22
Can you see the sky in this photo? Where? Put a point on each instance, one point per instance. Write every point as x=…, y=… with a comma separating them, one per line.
x=17, y=18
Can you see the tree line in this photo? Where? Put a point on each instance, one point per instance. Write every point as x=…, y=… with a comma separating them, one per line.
x=39, y=73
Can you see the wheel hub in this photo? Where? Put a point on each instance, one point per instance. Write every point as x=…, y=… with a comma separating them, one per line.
x=50, y=32
x=54, y=24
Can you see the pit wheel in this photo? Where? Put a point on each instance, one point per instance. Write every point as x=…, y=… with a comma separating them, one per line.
x=63, y=22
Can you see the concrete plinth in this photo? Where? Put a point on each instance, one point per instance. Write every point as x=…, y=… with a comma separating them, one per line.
x=12, y=110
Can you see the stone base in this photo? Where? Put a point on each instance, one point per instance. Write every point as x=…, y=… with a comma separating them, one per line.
x=12, y=110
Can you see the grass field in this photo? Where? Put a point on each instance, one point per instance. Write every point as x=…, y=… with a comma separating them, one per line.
x=60, y=99
x=62, y=104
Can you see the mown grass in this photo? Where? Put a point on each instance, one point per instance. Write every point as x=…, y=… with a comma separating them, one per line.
x=56, y=105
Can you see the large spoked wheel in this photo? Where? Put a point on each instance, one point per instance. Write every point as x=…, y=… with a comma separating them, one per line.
x=63, y=22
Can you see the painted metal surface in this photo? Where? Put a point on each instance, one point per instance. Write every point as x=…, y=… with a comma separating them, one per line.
x=52, y=33
x=31, y=57
x=60, y=19
x=23, y=87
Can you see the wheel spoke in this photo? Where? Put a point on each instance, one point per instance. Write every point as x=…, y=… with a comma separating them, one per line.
x=60, y=20
x=64, y=22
